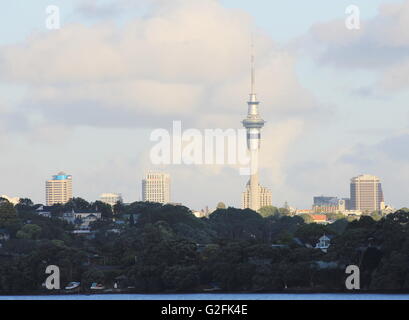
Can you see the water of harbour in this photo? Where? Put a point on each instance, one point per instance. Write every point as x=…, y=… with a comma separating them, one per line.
x=257, y=296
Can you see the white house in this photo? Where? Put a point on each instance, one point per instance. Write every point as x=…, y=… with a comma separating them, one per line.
x=84, y=219
x=323, y=243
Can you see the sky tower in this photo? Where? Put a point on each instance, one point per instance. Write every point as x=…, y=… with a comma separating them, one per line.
x=255, y=195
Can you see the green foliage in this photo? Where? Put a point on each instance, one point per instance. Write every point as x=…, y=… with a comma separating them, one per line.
x=91, y=276
x=338, y=226
x=105, y=209
x=8, y=217
x=284, y=212
x=269, y=211
x=310, y=233
x=334, y=216
x=29, y=231
x=77, y=204
x=25, y=206
x=168, y=249
x=181, y=278
x=307, y=218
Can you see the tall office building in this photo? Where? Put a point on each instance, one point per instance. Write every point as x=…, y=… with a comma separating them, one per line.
x=366, y=193
x=110, y=198
x=255, y=196
x=156, y=187
x=58, y=189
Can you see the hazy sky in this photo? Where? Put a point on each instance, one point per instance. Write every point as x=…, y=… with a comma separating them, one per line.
x=85, y=98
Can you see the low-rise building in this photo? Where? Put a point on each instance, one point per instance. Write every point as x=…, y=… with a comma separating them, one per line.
x=323, y=243
x=82, y=219
x=319, y=218
x=44, y=211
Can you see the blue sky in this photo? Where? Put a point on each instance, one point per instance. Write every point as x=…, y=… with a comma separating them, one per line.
x=84, y=98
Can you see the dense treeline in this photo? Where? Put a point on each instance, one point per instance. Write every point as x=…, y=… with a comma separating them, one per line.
x=154, y=248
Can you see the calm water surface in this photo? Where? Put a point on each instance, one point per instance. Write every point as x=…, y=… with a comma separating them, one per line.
x=257, y=296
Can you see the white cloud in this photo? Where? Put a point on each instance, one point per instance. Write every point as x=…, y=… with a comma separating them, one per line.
x=382, y=44
x=185, y=60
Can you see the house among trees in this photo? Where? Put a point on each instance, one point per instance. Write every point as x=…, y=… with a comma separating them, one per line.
x=82, y=219
x=44, y=211
x=323, y=243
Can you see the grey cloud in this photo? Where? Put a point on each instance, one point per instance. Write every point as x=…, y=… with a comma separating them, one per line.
x=381, y=45
x=12, y=122
x=393, y=148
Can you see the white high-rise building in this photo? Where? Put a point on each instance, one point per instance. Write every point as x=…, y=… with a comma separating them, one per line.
x=58, y=190
x=156, y=187
x=255, y=195
x=110, y=198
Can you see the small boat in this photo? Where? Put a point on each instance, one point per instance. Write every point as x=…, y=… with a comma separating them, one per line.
x=97, y=286
x=73, y=285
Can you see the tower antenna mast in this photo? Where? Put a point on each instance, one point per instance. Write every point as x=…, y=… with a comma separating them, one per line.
x=253, y=72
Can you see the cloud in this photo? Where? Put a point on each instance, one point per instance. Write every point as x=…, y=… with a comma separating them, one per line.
x=184, y=60
x=381, y=45
x=181, y=60
x=11, y=121
x=98, y=9
x=329, y=173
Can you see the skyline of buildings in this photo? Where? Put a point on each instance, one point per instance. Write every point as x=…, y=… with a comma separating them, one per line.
x=317, y=131
x=365, y=195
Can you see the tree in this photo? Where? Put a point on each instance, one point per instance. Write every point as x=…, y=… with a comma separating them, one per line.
x=29, y=231
x=335, y=216
x=8, y=215
x=311, y=232
x=91, y=276
x=268, y=211
x=118, y=208
x=284, y=211
x=131, y=220
x=376, y=215
x=338, y=226
x=181, y=278
x=104, y=208
x=392, y=273
x=400, y=216
x=77, y=204
x=25, y=206
x=307, y=218
x=3, y=200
